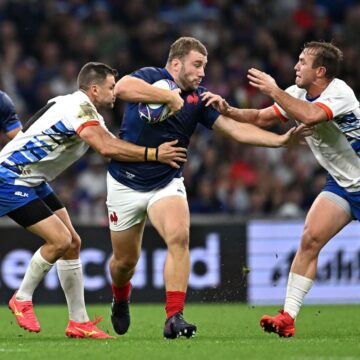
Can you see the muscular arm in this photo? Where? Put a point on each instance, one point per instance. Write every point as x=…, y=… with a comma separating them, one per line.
x=262, y=118
x=132, y=89
x=107, y=145
x=303, y=111
x=248, y=133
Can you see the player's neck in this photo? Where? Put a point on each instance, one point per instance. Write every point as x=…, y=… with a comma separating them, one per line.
x=317, y=87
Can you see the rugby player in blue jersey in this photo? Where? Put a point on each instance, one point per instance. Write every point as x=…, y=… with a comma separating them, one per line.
x=9, y=121
x=136, y=191
x=50, y=141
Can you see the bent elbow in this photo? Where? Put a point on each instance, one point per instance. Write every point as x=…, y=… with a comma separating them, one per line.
x=121, y=88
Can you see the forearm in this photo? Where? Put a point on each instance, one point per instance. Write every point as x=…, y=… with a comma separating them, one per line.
x=243, y=115
x=253, y=135
x=121, y=150
x=263, y=118
x=247, y=133
x=303, y=111
x=136, y=90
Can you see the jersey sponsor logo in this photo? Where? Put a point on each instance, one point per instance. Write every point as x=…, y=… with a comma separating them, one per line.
x=192, y=99
x=22, y=194
x=114, y=218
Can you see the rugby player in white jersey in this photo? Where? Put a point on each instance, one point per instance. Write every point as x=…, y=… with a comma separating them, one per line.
x=321, y=100
x=52, y=139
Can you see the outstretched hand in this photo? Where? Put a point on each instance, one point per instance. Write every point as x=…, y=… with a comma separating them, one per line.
x=218, y=102
x=262, y=81
x=171, y=155
x=296, y=135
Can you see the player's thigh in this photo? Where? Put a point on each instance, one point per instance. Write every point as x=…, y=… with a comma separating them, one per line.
x=126, y=206
x=170, y=217
x=39, y=219
x=326, y=217
x=126, y=244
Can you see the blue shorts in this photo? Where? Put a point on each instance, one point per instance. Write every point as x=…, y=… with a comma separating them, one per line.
x=15, y=196
x=352, y=198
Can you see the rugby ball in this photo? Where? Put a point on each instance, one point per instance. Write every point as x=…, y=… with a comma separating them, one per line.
x=154, y=113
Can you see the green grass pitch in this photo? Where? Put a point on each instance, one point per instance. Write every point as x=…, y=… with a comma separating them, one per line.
x=225, y=331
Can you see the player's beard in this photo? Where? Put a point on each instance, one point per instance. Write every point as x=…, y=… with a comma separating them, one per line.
x=186, y=83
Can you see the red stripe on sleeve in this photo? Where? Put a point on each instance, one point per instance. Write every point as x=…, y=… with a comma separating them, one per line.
x=279, y=114
x=86, y=124
x=328, y=111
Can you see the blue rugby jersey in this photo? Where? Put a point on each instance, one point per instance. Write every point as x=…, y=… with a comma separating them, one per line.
x=8, y=117
x=151, y=175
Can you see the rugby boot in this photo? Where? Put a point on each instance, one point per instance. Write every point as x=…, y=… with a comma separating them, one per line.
x=282, y=324
x=120, y=316
x=86, y=330
x=176, y=326
x=24, y=314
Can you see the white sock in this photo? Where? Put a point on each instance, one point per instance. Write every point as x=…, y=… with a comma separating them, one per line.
x=71, y=280
x=298, y=286
x=35, y=272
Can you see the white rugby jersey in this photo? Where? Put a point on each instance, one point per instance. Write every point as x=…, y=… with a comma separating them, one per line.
x=336, y=142
x=49, y=142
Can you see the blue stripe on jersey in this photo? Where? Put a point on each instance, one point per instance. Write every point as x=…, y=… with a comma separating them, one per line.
x=34, y=149
x=348, y=122
x=10, y=166
x=60, y=128
x=22, y=157
x=356, y=146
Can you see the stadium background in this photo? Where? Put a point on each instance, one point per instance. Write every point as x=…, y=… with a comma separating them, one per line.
x=43, y=44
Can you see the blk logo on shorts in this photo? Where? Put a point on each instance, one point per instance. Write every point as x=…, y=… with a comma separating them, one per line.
x=22, y=194
x=192, y=98
x=113, y=218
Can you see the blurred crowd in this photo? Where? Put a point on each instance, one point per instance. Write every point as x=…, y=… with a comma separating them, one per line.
x=43, y=44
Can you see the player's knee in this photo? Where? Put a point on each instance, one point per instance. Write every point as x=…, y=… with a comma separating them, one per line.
x=123, y=264
x=75, y=243
x=62, y=242
x=179, y=238
x=311, y=242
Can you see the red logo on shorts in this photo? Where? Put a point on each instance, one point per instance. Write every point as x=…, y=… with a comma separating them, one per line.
x=192, y=99
x=113, y=217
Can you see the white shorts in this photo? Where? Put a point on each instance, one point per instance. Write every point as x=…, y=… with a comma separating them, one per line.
x=128, y=207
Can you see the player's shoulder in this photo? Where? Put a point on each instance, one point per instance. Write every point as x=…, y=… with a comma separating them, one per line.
x=338, y=86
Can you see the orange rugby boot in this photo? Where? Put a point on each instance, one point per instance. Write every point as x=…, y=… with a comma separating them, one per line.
x=282, y=324
x=24, y=314
x=86, y=330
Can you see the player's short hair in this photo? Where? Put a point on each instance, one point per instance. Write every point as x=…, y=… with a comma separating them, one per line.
x=326, y=55
x=182, y=47
x=94, y=73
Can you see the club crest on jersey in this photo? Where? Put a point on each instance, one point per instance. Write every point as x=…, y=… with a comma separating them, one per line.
x=192, y=98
